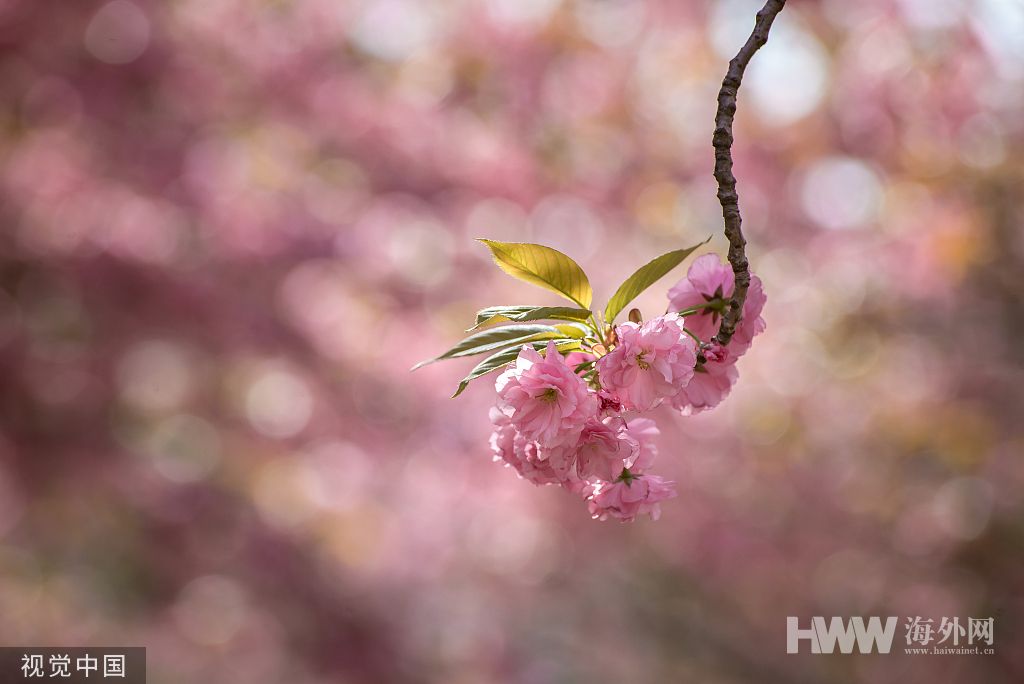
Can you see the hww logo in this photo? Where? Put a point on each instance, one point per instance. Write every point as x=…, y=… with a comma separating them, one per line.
x=824, y=638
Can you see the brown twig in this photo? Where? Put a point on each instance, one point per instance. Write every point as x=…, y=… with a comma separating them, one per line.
x=722, y=141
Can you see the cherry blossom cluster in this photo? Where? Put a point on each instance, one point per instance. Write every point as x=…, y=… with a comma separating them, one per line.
x=575, y=419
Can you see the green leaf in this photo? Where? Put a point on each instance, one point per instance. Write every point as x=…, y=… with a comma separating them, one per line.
x=543, y=266
x=496, y=338
x=583, y=366
x=502, y=314
x=645, y=276
x=575, y=331
x=507, y=356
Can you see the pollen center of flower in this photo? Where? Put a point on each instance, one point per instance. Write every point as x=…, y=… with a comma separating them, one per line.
x=549, y=395
x=641, y=362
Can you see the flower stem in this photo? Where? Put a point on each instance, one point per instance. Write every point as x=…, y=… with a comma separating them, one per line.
x=694, y=336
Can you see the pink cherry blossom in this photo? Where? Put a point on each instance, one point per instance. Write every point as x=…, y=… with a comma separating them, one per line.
x=716, y=353
x=645, y=432
x=650, y=363
x=711, y=280
x=544, y=399
x=629, y=497
x=531, y=461
x=752, y=323
x=610, y=404
x=706, y=280
x=604, y=449
x=711, y=383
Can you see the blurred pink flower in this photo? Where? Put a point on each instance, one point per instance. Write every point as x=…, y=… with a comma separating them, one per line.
x=711, y=383
x=711, y=280
x=651, y=362
x=544, y=399
x=630, y=496
x=573, y=359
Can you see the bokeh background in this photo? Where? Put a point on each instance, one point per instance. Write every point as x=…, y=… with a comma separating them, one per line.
x=229, y=227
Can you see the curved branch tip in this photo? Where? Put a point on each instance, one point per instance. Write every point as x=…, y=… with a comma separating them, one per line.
x=722, y=140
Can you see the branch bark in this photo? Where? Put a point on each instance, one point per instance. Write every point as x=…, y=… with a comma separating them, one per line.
x=722, y=141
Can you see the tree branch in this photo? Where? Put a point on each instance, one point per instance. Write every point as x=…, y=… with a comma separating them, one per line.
x=722, y=141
